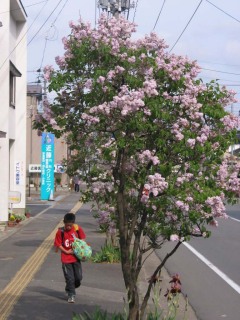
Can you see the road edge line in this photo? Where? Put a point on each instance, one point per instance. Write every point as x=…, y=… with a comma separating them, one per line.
x=221, y=274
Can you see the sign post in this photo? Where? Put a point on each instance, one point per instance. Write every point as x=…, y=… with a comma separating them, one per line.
x=47, y=166
x=13, y=197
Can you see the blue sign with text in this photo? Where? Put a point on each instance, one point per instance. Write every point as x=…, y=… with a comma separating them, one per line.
x=47, y=166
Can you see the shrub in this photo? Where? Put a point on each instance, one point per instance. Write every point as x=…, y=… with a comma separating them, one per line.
x=108, y=254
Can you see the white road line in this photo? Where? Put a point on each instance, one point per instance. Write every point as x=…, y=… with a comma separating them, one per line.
x=234, y=219
x=222, y=275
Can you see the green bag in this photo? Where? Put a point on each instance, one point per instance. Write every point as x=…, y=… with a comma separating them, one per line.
x=81, y=249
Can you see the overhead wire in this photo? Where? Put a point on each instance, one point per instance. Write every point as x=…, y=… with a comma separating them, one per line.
x=30, y=5
x=47, y=39
x=221, y=79
x=222, y=10
x=135, y=11
x=159, y=14
x=59, y=12
x=195, y=11
x=23, y=35
x=220, y=64
x=44, y=22
x=233, y=73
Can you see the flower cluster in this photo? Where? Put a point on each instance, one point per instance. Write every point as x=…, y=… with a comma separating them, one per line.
x=146, y=156
x=217, y=207
x=48, y=70
x=155, y=185
x=175, y=287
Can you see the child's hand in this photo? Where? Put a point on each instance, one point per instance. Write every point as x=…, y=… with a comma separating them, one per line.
x=70, y=251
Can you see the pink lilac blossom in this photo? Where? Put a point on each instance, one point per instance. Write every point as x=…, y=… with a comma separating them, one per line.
x=149, y=87
x=217, y=207
x=215, y=145
x=191, y=143
x=88, y=84
x=61, y=62
x=184, y=207
x=155, y=185
x=186, y=177
x=230, y=122
x=174, y=237
x=146, y=156
x=48, y=70
x=89, y=119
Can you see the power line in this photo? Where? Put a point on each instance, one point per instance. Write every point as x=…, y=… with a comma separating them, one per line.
x=223, y=11
x=59, y=12
x=23, y=35
x=30, y=5
x=44, y=22
x=220, y=64
x=236, y=74
x=46, y=38
x=159, y=14
x=135, y=11
x=221, y=79
x=45, y=45
x=186, y=25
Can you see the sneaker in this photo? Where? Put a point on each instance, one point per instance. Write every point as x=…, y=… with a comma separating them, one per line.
x=71, y=299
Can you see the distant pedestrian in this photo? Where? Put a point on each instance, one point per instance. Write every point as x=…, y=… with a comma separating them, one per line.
x=76, y=181
x=72, y=268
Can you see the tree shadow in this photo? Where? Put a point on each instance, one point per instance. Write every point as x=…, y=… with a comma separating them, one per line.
x=41, y=303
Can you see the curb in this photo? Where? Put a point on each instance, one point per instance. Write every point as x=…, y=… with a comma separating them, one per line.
x=184, y=310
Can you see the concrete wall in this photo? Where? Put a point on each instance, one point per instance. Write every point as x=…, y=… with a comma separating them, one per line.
x=13, y=47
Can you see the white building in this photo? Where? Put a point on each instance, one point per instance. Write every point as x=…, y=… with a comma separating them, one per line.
x=13, y=70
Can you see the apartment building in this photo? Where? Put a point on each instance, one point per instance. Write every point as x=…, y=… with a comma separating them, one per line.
x=13, y=70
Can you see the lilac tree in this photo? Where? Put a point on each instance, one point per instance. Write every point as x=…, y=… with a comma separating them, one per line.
x=152, y=135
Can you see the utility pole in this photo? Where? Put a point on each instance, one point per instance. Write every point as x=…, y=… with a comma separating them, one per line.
x=116, y=7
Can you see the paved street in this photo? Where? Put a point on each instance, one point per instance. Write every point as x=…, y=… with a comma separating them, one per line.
x=38, y=289
x=32, y=284
x=211, y=297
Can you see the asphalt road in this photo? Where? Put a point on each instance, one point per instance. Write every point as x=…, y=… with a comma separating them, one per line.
x=209, y=291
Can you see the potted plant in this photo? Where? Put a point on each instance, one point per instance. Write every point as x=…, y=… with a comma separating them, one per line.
x=12, y=220
x=19, y=217
x=27, y=212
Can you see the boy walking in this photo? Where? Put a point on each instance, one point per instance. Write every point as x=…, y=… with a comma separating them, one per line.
x=72, y=268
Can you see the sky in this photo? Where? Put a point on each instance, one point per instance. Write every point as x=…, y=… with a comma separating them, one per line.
x=206, y=31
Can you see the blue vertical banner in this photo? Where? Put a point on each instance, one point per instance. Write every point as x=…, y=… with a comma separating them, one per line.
x=47, y=166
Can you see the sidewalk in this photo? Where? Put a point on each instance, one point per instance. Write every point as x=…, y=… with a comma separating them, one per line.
x=43, y=296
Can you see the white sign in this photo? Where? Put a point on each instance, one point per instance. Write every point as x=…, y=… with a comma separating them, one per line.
x=14, y=197
x=19, y=173
x=37, y=168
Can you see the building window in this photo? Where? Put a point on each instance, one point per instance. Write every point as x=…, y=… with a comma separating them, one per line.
x=12, y=90
x=12, y=84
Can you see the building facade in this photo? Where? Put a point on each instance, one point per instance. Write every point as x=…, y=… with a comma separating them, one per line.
x=13, y=70
x=33, y=161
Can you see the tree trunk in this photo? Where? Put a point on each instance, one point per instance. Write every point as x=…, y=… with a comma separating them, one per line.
x=133, y=304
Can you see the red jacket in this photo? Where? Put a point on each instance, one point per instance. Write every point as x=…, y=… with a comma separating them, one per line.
x=67, y=241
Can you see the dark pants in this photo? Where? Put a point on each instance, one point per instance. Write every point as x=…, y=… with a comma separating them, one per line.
x=76, y=187
x=73, y=276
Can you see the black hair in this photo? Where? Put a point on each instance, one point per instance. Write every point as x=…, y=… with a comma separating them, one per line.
x=69, y=218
